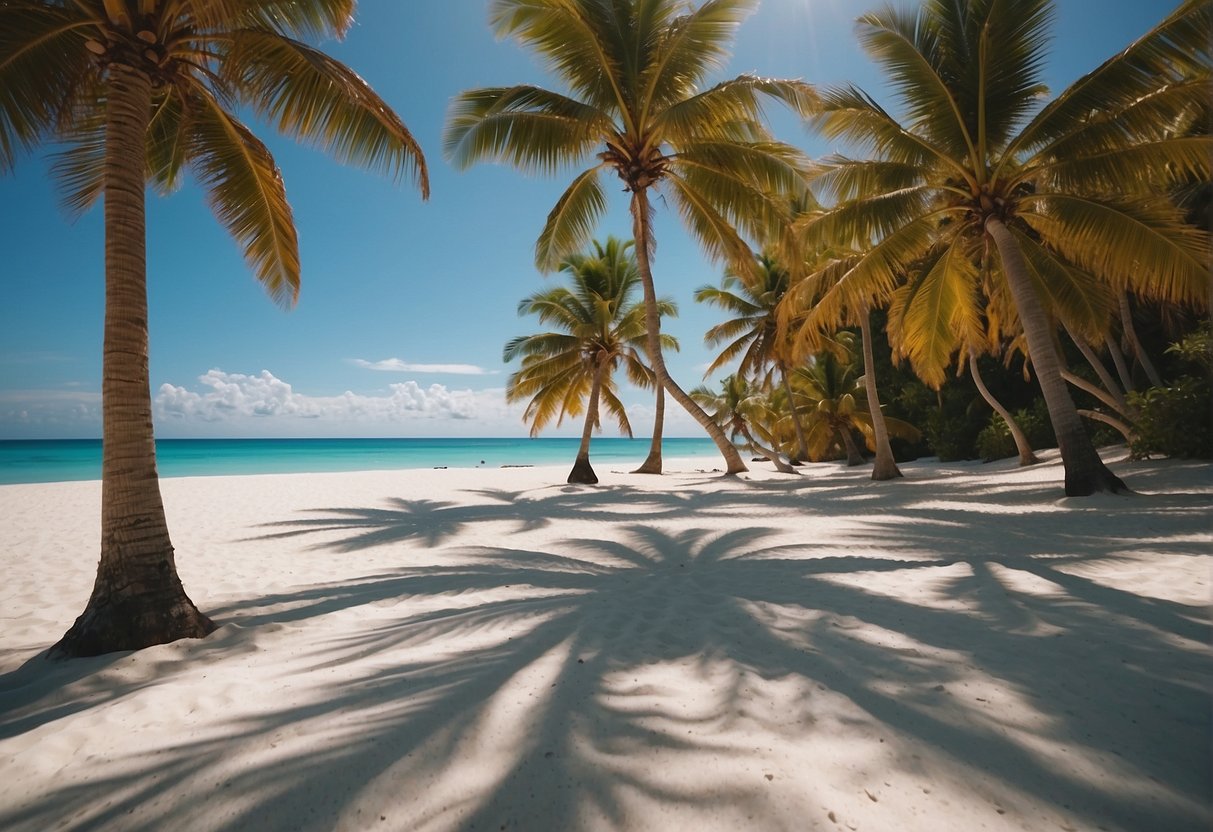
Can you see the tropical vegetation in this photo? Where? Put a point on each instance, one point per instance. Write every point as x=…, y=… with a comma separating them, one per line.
x=637, y=106
x=1051, y=203
x=598, y=325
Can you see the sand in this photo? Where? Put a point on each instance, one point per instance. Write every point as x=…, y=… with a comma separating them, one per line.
x=964, y=649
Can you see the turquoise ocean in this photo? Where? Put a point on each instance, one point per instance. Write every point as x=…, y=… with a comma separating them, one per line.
x=25, y=461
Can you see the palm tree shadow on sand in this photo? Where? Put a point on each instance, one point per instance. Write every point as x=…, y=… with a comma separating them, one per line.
x=610, y=681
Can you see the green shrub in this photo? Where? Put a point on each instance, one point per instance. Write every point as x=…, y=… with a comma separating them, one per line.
x=1176, y=420
x=995, y=441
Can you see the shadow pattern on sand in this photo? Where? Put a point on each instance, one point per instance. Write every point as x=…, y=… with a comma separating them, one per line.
x=769, y=633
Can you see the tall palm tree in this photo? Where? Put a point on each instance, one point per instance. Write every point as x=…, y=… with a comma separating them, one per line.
x=743, y=410
x=1075, y=186
x=636, y=106
x=140, y=91
x=754, y=334
x=600, y=327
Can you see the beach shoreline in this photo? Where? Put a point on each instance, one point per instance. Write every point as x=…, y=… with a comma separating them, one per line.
x=492, y=647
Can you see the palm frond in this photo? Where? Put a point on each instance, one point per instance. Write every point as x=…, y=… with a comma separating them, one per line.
x=572, y=220
x=1139, y=243
x=578, y=40
x=245, y=190
x=318, y=99
x=524, y=126
x=1178, y=46
x=912, y=55
x=931, y=314
x=313, y=20
x=1069, y=294
x=42, y=62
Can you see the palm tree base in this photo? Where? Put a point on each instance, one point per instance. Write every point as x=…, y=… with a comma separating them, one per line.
x=885, y=472
x=1098, y=481
x=131, y=622
x=582, y=473
x=1028, y=459
x=651, y=465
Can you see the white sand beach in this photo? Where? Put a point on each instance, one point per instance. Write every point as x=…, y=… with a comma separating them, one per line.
x=470, y=649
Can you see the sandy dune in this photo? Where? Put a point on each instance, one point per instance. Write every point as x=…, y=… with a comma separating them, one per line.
x=964, y=649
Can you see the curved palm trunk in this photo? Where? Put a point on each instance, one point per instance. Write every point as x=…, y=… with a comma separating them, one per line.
x=640, y=231
x=137, y=599
x=1143, y=358
x=802, y=452
x=1100, y=370
x=884, y=468
x=1085, y=471
x=1026, y=455
x=652, y=463
x=854, y=457
x=772, y=455
x=1118, y=361
x=582, y=472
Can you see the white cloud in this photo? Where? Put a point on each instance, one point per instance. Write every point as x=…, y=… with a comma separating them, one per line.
x=48, y=413
x=396, y=365
x=265, y=404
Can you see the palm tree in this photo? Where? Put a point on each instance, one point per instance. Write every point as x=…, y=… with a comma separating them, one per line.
x=836, y=404
x=1074, y=189
x=743, y=410
x=635, y=69
x=138, y=92
x=754, y=333
x=600, y=327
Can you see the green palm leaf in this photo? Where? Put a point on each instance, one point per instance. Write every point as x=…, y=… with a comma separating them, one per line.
x=245, y=190
x=321, y=101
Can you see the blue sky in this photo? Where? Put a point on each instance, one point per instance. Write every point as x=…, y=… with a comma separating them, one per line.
x=405, y=305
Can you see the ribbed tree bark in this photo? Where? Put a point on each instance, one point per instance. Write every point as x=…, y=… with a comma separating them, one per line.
x=1143, y=358
x=583, y=472
x=802, y=447
x=137, y=598
x=652, y=463
x=1026, y=456
x=885, y=467
x=641, y=233
x=1085, y=472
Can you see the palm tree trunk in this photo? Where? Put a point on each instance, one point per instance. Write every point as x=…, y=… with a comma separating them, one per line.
x=652, y=463
x=802, y=452
x=1026, y=456
x=884, y=468
x=1085, y=472
x=780, y=466
x=137, y=599
x=1118, y=361
x=854, y=457
x=1143, y=358
x=1097, y=365
x=641, y=232
x=583, y=472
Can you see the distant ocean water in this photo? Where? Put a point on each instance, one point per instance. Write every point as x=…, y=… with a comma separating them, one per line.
x=25, y=461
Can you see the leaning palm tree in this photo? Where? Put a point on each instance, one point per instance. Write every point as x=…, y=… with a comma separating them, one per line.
x=600, y=327
x=140, y=91
x=743, y=409
x=1073, y=187
x=754, y=333
x=636, y=107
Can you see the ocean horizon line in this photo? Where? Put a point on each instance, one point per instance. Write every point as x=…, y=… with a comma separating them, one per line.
x=24, y=461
